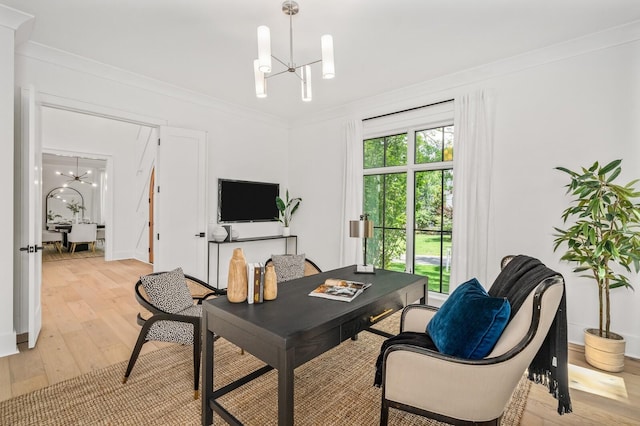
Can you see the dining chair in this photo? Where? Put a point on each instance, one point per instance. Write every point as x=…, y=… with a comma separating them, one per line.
x=82, y=233
x=291, y=266
x=52, y=237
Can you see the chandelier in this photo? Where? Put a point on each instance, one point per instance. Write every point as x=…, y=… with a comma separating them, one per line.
x=77, y=177
x=262, y=65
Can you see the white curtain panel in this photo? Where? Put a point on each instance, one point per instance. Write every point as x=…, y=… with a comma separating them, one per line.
x=350, y=249
x=472, y=239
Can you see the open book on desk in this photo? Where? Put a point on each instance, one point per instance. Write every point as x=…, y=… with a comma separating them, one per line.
x=336, y=289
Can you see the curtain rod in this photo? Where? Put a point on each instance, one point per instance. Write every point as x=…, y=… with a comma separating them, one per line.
x=408, y=109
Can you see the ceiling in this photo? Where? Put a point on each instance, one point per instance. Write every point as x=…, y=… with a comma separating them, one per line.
x=207, y=46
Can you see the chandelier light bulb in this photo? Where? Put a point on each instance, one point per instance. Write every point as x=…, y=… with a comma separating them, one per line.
x=261, y=82
x=328, y=65
x=306, y=83
x=264, y=49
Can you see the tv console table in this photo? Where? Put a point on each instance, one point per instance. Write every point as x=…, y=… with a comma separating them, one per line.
x=217, y=244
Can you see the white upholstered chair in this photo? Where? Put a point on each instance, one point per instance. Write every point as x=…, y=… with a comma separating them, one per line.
x=82, y=233
x=463, y=391
x=54, y=238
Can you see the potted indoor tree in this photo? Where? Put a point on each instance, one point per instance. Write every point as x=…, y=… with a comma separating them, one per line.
x=604, y=241
x=75, y=208
x=287, y=208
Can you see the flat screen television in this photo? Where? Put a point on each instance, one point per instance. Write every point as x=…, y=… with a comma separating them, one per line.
x=245, y=201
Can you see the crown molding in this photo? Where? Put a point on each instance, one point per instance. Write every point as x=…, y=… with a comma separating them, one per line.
x=407, y=97
x=445, y=87
x=64, y=59
x=20, y=22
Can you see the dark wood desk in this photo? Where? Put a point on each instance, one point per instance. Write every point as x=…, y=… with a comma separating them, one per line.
x=295, y=328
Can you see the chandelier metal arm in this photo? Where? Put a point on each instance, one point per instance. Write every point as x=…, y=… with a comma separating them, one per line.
x=290, y=69
x=282, y=62
x=266, y=77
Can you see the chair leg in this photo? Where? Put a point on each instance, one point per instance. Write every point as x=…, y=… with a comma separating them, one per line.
x=136, y=351
x=73, y=247
x=384, y=412
x=197, y=343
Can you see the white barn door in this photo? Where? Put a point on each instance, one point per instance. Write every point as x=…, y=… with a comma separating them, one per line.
x=180, y=202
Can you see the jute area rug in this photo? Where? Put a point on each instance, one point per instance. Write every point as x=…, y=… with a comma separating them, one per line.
x=50, y=254
x=333, y=389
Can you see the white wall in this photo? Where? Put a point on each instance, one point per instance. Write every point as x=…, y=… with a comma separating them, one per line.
x=229, y=136
x=566, y=111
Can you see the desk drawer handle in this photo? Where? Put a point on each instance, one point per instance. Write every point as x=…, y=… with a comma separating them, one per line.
x=373, y=319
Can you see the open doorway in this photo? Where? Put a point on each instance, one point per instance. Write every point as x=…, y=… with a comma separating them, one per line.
x=74, y=193
x=120, y=156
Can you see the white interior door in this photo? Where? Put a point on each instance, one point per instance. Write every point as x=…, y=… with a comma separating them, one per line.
x=31, y=215
x=180, y=202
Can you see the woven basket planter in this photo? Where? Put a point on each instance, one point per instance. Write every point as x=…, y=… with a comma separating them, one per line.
x=604, y=353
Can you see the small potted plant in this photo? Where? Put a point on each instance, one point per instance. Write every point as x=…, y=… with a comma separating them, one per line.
x=604, y=241
x=287, y=208
x=75, y=208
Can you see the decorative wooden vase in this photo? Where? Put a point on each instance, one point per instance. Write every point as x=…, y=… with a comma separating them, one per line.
x=270, y=283
x=237, y=282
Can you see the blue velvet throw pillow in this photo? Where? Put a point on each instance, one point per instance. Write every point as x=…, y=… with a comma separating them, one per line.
x=470, y=322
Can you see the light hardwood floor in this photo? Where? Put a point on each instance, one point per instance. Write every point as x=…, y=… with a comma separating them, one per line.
x=89, y=322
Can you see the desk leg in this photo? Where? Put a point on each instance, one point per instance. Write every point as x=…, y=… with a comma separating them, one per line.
x=285, y=389
x=207, y=371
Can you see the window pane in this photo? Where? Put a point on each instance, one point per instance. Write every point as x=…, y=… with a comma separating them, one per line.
x=428, y=199
x=374, y=198
x=373, y=153
x=395, y=196
x=386, y=151
x=433, y=258
x=434, y=145
x=385, y=202
x=396, y=150
x=433, y=217
x=387, y=249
